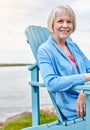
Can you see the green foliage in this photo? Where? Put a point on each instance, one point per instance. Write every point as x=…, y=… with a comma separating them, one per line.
x=47, y=117
x=25, y=121
x=20, y=123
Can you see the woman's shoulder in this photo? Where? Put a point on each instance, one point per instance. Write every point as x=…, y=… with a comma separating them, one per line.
x=45, y=45
x=74, y=46
x=72, y=43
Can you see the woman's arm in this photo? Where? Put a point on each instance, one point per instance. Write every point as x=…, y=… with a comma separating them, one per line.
x=53, y=81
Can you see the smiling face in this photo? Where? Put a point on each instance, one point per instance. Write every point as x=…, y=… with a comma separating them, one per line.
x=62, y=26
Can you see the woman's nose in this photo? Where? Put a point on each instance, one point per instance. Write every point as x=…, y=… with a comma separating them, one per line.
x=65, y=24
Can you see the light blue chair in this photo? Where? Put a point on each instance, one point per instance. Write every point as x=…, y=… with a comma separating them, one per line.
x=36, y=35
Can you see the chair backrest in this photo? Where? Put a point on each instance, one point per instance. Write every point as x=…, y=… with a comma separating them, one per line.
x=36, y=35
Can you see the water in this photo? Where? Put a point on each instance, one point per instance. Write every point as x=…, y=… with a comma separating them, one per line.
x=15, y=92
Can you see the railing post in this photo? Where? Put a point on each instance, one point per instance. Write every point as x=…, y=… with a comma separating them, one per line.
x=35, y=98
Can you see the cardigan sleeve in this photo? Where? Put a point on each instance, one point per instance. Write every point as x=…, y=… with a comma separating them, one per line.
x=52, y=81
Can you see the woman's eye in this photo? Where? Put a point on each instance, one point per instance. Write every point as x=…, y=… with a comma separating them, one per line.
x=69, y=21
x=60, y=21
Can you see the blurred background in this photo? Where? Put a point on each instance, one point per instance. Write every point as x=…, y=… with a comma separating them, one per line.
x=15, y=16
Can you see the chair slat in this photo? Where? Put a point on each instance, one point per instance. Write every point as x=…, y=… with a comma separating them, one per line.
x=36, y=35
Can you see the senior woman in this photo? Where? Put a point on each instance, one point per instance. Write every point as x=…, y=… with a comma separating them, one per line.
x=63, y=64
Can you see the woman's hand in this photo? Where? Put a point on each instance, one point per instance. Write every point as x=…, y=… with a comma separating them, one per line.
x=81, y=104
x=87, y=77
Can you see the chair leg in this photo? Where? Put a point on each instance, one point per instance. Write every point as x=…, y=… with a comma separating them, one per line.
x=88, y=112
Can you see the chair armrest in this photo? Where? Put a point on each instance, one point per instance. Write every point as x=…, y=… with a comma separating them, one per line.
x=33, y=66
x=37, y=84
x=85, y=87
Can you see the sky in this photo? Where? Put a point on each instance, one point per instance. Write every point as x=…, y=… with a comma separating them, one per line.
x=16, y=15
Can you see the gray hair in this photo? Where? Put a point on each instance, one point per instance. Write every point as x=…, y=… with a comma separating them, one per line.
x=60, y=9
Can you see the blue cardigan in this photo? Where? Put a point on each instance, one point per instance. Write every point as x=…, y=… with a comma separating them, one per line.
x=60, y=74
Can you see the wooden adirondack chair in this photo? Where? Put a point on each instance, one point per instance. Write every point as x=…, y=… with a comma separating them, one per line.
x=36, y=35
